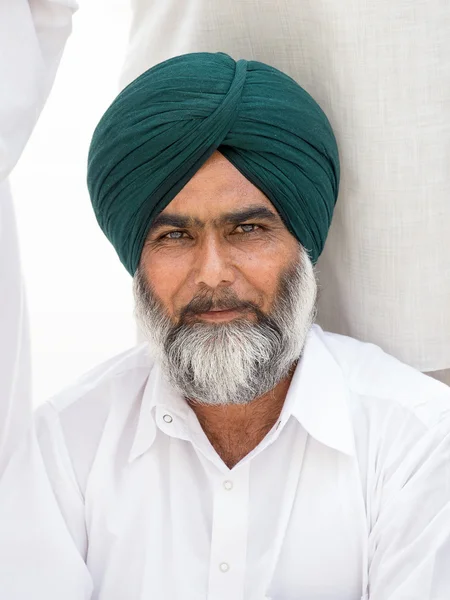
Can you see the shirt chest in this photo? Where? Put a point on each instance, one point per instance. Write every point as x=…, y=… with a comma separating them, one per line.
x=287, y=524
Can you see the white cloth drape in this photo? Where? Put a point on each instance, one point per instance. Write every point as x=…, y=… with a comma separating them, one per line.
x=381, y=72
x=32, y=37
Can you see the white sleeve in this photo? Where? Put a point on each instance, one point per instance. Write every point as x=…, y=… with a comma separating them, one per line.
x=42, y=528
x=15, y=370
x=409, y=544
x=32, y=37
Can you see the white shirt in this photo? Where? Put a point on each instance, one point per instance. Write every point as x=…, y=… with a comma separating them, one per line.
x=32, y=38
x=118, y=494
x=381, y=72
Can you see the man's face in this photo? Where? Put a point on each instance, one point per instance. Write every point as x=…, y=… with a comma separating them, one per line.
x=224, y=292
x=203, y=244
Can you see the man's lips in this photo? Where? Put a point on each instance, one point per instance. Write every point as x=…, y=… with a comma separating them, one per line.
x=220, y=314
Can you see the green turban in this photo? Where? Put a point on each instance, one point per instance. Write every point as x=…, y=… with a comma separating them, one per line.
x=165, y=125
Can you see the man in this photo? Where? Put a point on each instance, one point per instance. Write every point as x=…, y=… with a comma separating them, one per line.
x=242, y=453
x=381, y=72
x=32, y=38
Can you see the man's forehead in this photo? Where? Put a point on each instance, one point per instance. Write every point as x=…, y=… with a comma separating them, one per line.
x=218, y=190
x=220, y=180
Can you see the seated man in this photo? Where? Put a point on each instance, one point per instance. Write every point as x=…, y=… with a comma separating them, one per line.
x=241, y=453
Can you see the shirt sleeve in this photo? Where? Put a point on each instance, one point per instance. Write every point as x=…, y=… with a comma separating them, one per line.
x=32, y=37
x=33, y=34
x=43, y=539
x=409, y=543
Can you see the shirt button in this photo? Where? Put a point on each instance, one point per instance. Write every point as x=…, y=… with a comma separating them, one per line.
x=224, y=567
x=167, y=418
x=228, y=485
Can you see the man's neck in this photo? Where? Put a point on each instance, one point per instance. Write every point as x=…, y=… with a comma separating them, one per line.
x=234, y=430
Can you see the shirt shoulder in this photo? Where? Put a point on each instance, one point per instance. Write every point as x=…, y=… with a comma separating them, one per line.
x=384, y=382
x=98, y=384
x=400, y=420
x=72, y=422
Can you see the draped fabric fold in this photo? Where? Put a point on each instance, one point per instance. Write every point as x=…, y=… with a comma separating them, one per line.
x=165, y=125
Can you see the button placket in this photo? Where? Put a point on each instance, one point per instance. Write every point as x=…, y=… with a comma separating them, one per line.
x=229, y=536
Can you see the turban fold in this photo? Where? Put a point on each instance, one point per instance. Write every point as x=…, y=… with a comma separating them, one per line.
x=166, y=124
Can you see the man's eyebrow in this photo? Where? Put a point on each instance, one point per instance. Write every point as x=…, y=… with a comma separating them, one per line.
x=233, y=218
x=247, y=214
x=178, y=221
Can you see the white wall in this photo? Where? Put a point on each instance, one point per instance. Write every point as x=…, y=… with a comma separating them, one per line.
x=78, y=292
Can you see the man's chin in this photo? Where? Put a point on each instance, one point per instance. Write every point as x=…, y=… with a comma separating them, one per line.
x=234, y=398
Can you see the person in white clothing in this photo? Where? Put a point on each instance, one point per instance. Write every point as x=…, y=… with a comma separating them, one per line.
x=241, y=452
x=32, y=38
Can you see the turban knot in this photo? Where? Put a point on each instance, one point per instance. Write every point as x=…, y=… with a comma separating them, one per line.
x=165, y=125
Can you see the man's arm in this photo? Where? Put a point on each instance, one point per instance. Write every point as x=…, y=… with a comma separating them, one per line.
x=33, y=34
x=409, y=544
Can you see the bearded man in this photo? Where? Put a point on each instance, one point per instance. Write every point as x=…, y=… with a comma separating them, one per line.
x=241, y=452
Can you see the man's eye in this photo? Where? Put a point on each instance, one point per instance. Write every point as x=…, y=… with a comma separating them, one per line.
x=245, y=228
x=172, y=235
x=248, y=228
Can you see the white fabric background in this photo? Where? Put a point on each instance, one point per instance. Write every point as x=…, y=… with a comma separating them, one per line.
x=381, y=71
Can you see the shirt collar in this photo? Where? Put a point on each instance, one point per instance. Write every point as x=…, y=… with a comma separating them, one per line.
x=157, y=392
x=317, y=398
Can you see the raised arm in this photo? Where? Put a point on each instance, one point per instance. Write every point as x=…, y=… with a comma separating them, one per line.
x=32, y=37
x=33, y=34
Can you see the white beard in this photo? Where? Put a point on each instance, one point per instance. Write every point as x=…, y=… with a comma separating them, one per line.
x=238, y=361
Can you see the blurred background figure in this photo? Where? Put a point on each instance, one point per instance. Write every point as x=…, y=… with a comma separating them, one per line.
x=381, y=72
x=32, y=37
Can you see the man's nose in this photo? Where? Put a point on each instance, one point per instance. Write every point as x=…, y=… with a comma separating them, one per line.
x=213, y=265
